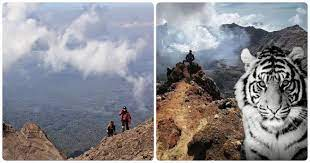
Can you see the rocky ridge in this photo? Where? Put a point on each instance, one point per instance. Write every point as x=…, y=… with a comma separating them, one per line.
x=193, y=121
x=31, y=143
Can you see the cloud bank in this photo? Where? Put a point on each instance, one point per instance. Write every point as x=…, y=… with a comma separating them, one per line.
x=71, y=48
x=196, y=26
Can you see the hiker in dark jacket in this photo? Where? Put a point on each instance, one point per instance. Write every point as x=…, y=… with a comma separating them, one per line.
x=111, y=129
x=188, y=65
x=189, y=57
x=125, y=118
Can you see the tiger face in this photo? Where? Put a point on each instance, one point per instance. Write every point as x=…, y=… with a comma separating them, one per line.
x=274, y=85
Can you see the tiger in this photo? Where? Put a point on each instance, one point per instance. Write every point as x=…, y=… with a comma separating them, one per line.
x=272, y=95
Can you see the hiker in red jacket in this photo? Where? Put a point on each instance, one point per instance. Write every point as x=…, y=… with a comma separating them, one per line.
x=125, y=118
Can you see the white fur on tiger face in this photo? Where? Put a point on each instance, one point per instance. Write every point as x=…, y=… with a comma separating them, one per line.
x=272, y=95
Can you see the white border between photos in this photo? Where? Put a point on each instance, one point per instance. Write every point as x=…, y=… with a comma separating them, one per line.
x=154, y=2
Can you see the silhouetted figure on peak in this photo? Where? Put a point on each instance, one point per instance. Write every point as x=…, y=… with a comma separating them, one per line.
x=188, y=62
x=189, y=57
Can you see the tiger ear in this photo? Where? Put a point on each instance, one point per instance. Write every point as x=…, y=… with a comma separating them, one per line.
x=247, y=58
x=298, y=57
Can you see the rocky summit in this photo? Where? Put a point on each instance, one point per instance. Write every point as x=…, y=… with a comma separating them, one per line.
x=194, y=122
x=31, y=143
x=181, y=72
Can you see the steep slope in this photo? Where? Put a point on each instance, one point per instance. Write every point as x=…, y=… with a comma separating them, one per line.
x=30, y=143
x=134, y=144
x=193, y=123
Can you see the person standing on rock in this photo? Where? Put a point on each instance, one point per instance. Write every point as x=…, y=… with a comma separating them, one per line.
x=189, y=57
x=187, y=72
x=125, y=118
x=111, y=129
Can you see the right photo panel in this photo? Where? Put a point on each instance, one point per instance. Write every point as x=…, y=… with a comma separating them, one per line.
x=231, y=81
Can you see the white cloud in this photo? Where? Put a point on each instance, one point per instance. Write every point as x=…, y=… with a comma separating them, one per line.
x=140, y=83
x=299, y=17
x=19, y=32
x=196, y=26
x=295, y=19
x=96, y=57
x=301, y=11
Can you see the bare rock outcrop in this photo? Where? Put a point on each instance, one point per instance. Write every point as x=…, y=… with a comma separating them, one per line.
x=189, y=73
x=30, y=143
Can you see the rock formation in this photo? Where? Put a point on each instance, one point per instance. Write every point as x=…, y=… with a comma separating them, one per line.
x=182, y=71
x=195, y=123
x=30, y=143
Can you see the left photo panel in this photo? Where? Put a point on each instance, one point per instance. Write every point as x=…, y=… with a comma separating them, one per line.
x=78, y=81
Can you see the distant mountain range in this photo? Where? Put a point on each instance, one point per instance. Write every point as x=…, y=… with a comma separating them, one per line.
x=286, y=38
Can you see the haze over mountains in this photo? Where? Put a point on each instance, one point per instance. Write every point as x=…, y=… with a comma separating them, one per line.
x=223, y=63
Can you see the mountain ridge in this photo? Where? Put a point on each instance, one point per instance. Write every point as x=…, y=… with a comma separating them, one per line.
x=31, y=143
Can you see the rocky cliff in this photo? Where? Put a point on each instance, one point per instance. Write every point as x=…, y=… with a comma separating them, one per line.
x=194, y=122
x=31, y=143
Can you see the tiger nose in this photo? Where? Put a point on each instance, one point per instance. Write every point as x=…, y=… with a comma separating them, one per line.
x=273, y=98
x=274, y=109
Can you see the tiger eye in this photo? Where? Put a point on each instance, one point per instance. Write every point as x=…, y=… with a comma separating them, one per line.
x=285, y=83
x=262, y=83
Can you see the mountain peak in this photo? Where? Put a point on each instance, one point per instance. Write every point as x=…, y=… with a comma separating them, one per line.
x=30, y=143
x=294, y=27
